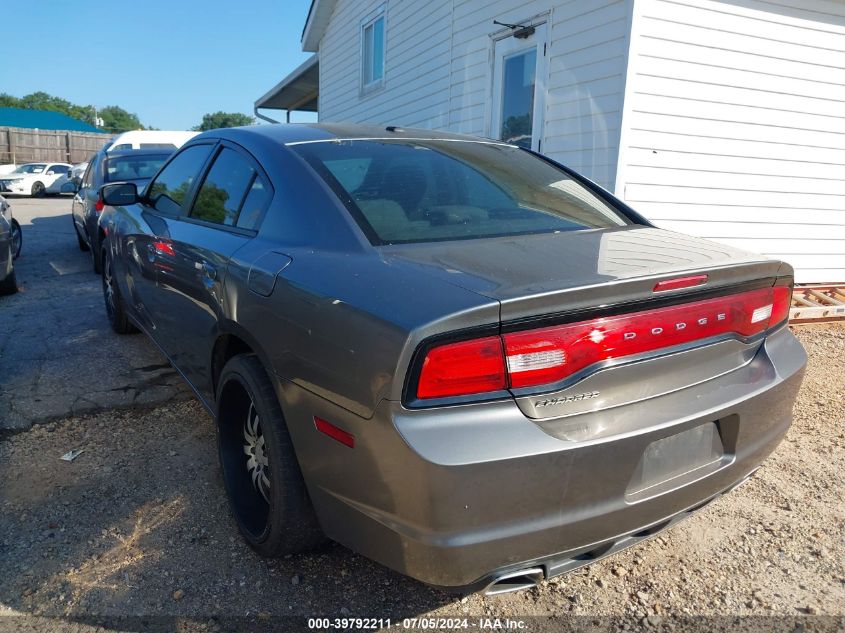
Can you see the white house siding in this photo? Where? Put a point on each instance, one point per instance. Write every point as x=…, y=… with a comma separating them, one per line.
x=416, y=70
x=735, y=126
x=438, y=71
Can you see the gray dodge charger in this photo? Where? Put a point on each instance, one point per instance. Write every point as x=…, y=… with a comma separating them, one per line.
x=452, y=355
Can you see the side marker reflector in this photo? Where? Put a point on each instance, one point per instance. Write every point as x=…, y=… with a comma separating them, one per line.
x=334, y=432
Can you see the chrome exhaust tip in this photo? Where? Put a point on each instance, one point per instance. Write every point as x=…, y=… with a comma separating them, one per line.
x=515, y=581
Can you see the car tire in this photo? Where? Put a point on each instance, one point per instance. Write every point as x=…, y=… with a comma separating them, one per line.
x=265, y=487
x=17, y=239
x=115, y=310
x=9, y=285
x=83, y=245
x=37, y=189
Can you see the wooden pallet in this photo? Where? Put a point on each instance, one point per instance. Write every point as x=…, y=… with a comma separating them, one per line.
x=817, y=304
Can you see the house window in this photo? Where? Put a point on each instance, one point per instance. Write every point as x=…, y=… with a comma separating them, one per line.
x=373, y=52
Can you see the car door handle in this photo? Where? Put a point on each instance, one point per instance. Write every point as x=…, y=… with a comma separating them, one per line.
x=209, y=270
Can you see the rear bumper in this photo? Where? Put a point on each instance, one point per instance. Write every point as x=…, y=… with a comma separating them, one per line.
x=462, y=494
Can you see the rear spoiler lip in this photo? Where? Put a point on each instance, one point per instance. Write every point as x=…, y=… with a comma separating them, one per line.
x=636, y=293
x=626, y=306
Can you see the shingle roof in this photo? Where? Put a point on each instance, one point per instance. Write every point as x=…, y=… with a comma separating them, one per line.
x=43, y=120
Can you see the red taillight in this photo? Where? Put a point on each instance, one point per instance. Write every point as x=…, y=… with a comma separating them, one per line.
x=164, y=248
x=458, y=369
x=544, y=356
x=99, y=205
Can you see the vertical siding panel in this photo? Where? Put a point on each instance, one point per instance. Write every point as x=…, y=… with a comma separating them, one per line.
x=732, y=113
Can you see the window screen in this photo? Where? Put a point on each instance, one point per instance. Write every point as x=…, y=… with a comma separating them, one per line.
x=373, y=51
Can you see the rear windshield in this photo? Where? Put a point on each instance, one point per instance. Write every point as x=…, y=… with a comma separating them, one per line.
x=134, y=167
x=428, y=191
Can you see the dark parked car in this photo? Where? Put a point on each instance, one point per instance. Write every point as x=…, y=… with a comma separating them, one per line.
x=136, y=166
x=11, y=240
x=451, y=355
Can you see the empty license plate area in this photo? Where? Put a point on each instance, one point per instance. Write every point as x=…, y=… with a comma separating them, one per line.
x=677, y=460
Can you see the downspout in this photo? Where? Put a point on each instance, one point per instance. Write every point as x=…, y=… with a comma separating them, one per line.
x=266, y=118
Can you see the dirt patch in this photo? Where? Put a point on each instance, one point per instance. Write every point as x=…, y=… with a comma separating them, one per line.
x=138, y=525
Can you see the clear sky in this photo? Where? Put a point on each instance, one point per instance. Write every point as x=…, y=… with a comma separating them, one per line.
x=168, y=61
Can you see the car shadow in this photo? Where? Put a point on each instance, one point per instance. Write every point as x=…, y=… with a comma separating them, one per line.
x=138, y=527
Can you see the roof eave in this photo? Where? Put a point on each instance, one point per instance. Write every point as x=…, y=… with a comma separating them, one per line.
x=316, y=23
x=297, y=75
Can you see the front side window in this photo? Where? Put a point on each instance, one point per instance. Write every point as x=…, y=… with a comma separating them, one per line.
x=428, y=190
x=224, y=189
x=59, y=169
x=169, y=189
x=373, y=52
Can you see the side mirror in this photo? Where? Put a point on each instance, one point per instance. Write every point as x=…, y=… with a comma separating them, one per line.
x=69, y=187
x=50, y=172
x=119, y=194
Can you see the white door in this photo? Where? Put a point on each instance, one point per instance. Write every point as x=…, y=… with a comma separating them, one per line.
x=519, y=89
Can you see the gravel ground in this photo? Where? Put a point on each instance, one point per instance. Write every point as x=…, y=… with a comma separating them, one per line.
x=56, y=324
x=137, y=526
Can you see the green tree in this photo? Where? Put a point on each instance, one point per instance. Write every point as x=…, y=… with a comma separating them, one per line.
x=210, y=204
x=223, y=119
x=8, y=101
x=116, y=119
x=44, y=101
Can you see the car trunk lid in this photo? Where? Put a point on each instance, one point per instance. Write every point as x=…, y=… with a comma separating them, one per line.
x=555, y=280
x=535, y=275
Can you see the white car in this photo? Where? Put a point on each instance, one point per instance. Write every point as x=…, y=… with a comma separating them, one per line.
x=35, y=179
x=150, y=139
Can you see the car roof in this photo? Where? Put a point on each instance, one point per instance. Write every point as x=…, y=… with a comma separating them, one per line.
x=292, y=133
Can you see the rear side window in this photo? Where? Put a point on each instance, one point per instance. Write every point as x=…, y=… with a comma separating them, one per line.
x=254, y=204
x=88, y=176
x=59, y=169
x=169, y=189
x=224, y=189
x=429, y=190
x=141, y=167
